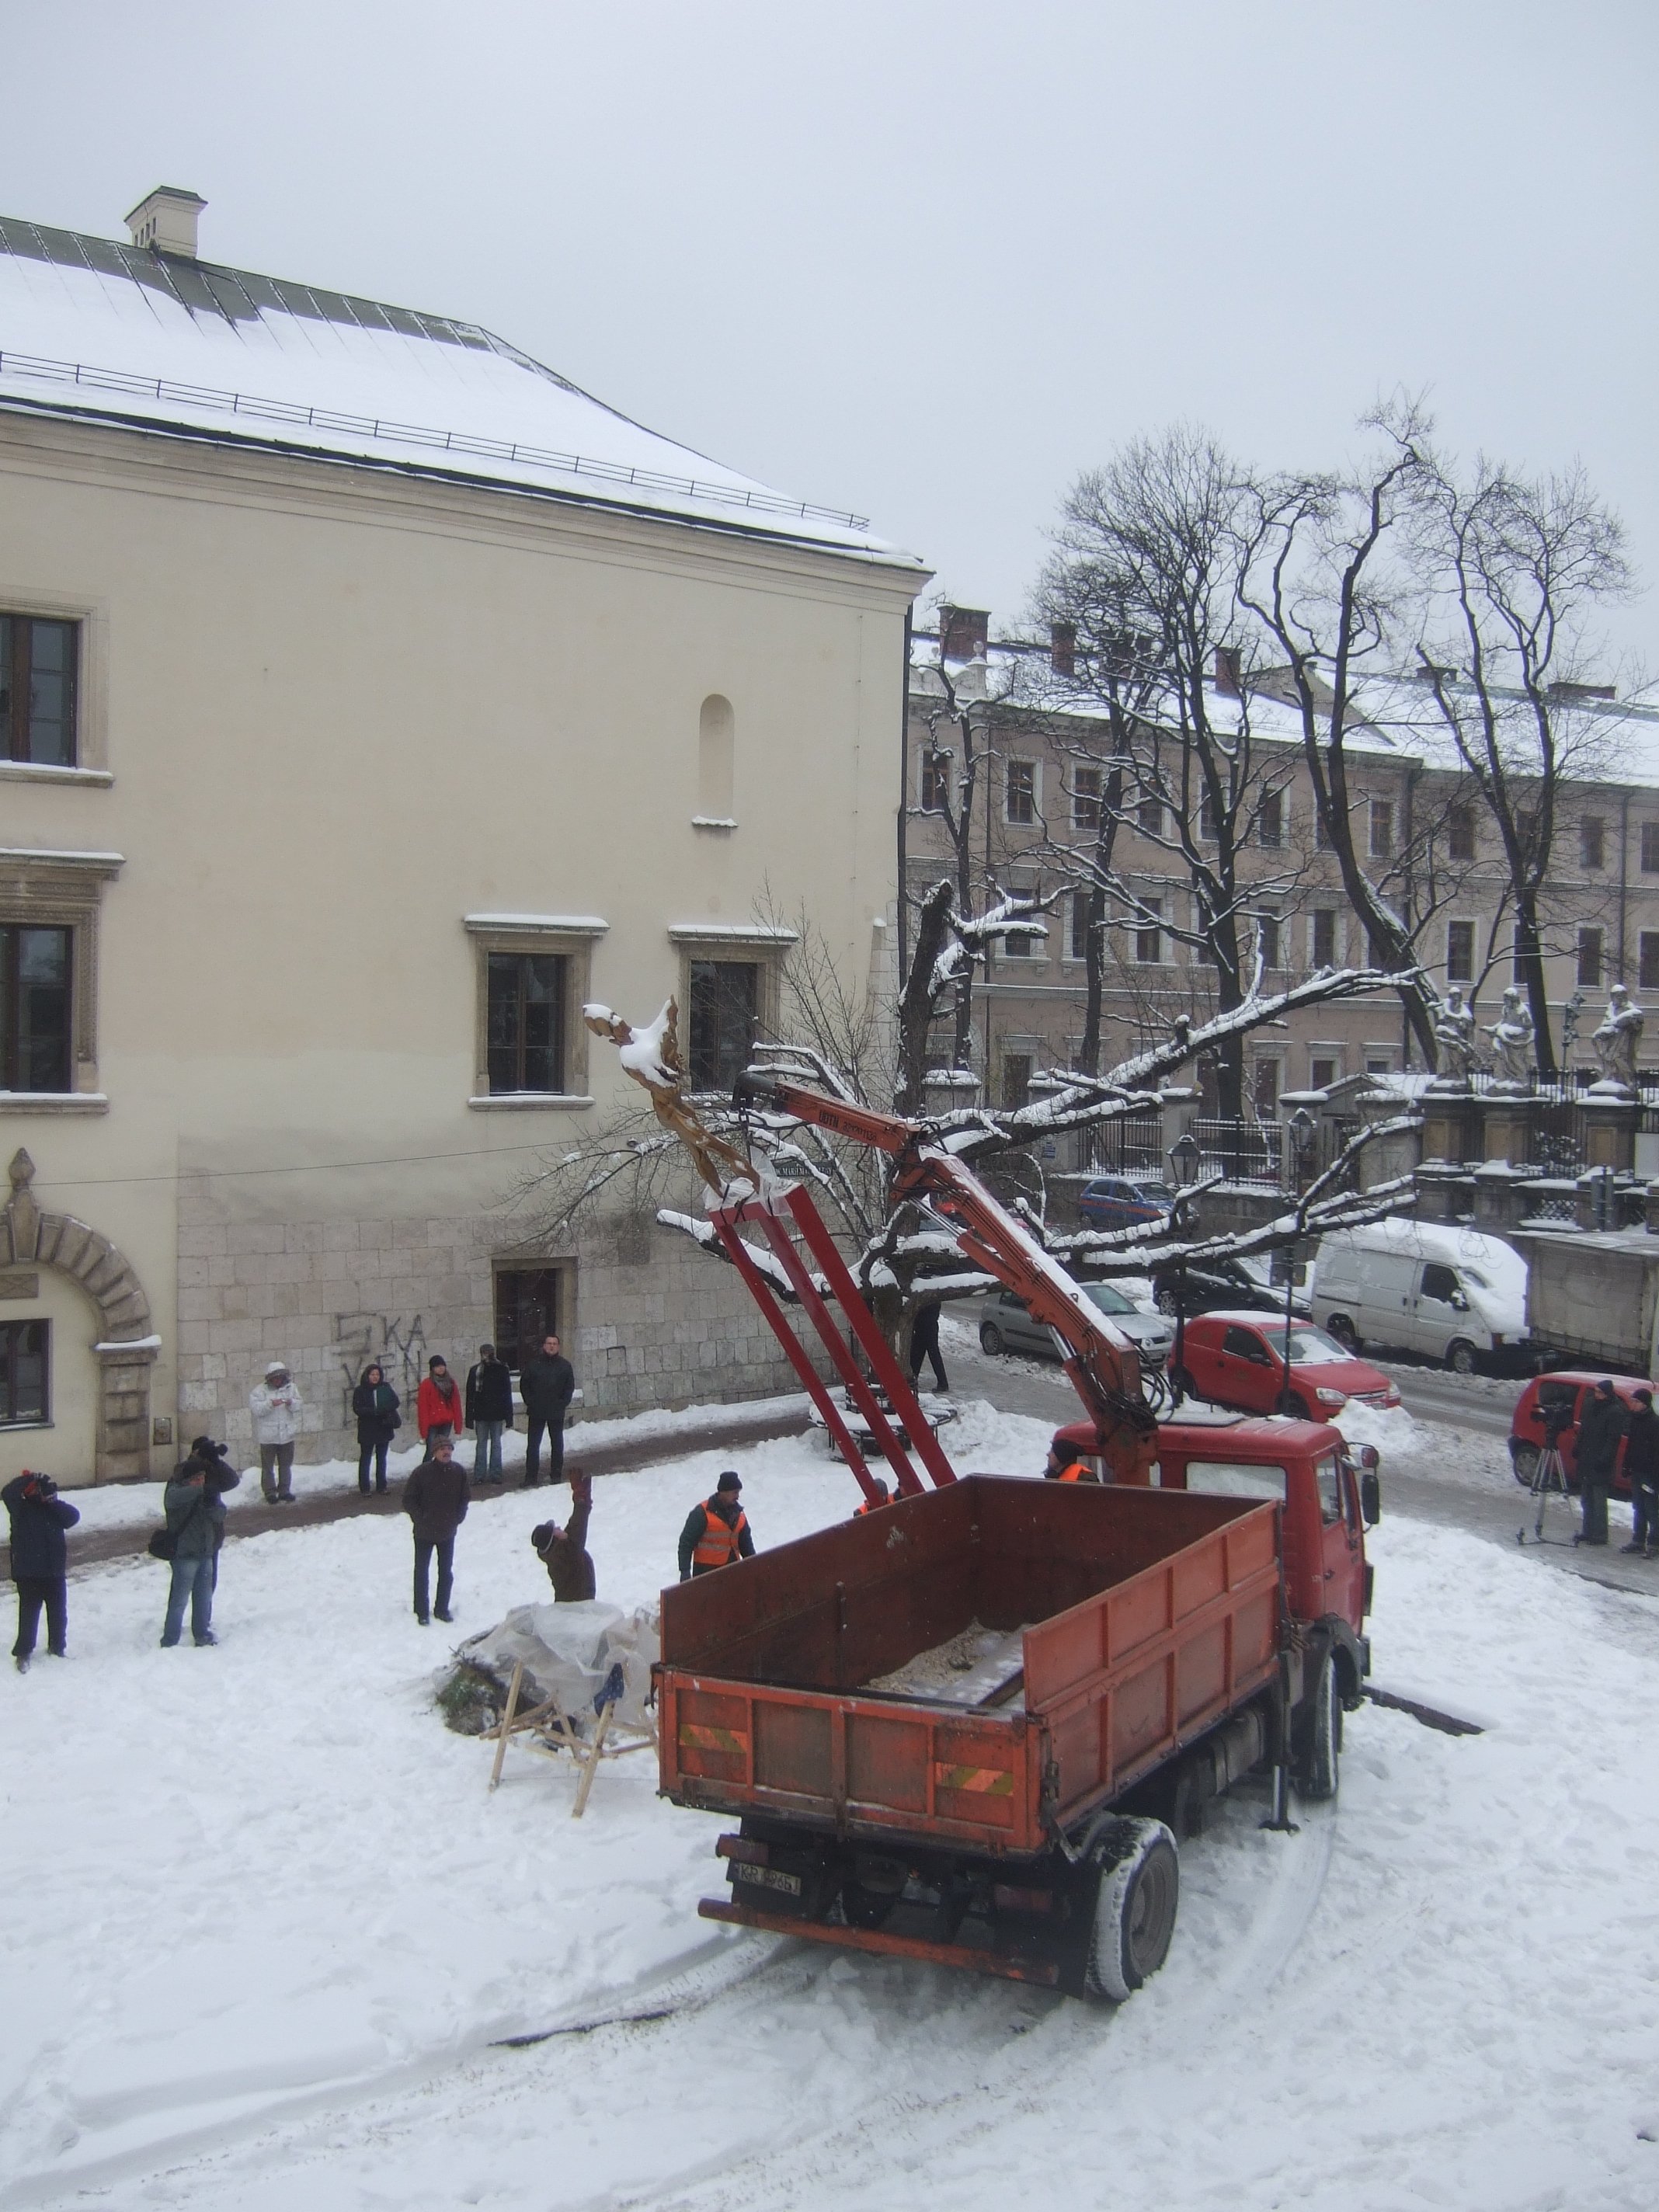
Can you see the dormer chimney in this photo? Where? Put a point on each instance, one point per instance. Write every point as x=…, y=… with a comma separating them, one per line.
x=1227, y=671
x=1062, y=649
x=963, y=633
x=166, y=219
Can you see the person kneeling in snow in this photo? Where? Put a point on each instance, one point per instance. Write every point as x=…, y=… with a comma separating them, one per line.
x=435, y=1499
x=564, y=1552
x=716, y=1532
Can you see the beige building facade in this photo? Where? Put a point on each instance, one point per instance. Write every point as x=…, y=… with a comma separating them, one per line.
x=379, y=764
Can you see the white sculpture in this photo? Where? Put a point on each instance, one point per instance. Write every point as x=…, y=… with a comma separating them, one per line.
x=1454, y=1032
x=1512, y=1040
x=1617, y=1041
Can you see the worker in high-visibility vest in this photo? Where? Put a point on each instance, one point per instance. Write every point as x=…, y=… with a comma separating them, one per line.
x=716, y=1532
x=1064, y=1466
x=884, y=1496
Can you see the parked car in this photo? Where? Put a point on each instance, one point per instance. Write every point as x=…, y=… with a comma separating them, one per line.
x=1565, y=1388
x=1005, y=1326
x=1237, y=1359
x=1204, y=1284
x=1123, y=1201
x=1453, y=1293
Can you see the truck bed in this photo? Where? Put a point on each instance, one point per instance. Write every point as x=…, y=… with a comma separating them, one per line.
x=1142, y=1618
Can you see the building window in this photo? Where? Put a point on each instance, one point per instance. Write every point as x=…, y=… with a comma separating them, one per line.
x=1321, y=1073
x=527, y=1310
x=1149, y=935
x=1517, y=961
x=1077, y=938
x=1270, y=819
x=1381, y=829
x=725, y=1016
x=37, y=690
x=933, y=787
x=25, y=1371
x=1321, y=827
x=1324, y=937
x=1019, y=794
x=1266, y=930
x=1016, y=1081
x=1460, y=952
x=1590, y=959
x=1459, y=832
x=527, y=997
x=1650, y=849
x=1206, y=820
x=1085, y=798
x=1379, y=1063
x=1150, y=816
x=1647, y=956
x=1526, y=830
x=1265, y=1089
x=1592, y=842
x=35, y=1001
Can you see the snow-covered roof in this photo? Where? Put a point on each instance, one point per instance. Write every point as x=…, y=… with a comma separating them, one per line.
x=158, y=341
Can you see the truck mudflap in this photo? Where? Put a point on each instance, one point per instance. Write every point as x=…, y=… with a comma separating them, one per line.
x=1011, y=1965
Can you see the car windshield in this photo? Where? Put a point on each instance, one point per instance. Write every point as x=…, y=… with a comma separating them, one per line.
x=1258, y=1272
x=1109, y=1300
x=1151, y=1193
x=1309, y=1347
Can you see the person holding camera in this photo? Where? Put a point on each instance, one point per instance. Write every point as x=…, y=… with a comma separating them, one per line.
x=1600, y=1432
x=39, y=1518
x=193, y=1501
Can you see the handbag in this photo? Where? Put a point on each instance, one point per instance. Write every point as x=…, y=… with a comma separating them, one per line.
x=163, y=1545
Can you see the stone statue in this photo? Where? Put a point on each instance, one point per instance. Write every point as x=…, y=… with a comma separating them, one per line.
x=1618, y=1041
x=1454, y=1032
x=1512, y=1040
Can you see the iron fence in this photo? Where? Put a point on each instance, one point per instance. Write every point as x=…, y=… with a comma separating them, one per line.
x=1132, y=1146
x=1245, y=1151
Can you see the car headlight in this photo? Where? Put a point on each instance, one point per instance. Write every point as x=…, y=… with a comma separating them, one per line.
x=1393, y=1396
x=1332, y=1397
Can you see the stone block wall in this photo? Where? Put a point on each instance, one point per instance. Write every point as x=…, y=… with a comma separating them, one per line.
x=651, y=1321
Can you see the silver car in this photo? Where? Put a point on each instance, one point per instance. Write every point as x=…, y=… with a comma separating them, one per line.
x=1005, y=1326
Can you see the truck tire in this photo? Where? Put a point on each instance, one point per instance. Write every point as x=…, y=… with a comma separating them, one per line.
x=990, y=1337
x=1135, y=1908
x=1345, y=1333
x=1320, y=1750
x=1460, y=1355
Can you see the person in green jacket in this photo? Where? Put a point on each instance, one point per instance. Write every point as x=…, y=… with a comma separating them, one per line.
x=196, y=1520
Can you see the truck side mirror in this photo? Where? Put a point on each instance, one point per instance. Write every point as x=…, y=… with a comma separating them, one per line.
x=1370, y=1497
x=1459, y=1303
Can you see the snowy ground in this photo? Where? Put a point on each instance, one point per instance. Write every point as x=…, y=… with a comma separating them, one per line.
x=267, y=1926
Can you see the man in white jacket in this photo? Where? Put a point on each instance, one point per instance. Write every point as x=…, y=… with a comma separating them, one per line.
x=275, y=1405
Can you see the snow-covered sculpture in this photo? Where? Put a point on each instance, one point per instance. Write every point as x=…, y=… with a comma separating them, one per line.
x=1513, y=1038
x=651, y=1056
x=1617, y=1041
x=1454, y=1032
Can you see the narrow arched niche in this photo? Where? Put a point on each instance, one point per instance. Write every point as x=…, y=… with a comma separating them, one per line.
x=716, y=762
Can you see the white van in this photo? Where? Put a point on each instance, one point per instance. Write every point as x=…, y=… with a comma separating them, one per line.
x=1421, y=1287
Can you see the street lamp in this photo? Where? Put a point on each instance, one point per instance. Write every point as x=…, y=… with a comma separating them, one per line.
x=1303, y=1130
x=1185, y=1158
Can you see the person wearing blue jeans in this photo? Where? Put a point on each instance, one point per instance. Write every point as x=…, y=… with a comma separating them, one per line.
x=196, y=1518
x=489, y=1412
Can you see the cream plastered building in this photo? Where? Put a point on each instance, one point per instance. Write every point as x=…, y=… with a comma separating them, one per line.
x=372, y=699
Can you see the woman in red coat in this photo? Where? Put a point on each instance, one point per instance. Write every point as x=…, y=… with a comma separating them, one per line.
x=438, y=1405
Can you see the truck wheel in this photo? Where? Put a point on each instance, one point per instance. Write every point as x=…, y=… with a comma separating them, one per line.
x=990, y=1337
x=1526, y=1463
x=1135, y=1909
x=865, y=1908
x=1317, y=1767
x=1459, y=1357
x=1343, y=1331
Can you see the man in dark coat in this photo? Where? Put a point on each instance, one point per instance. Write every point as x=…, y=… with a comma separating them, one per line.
x=924, y=1344
x=193, y=1501
x=1642, y=1465
x=546, y=1383
x=489, y=1412
x=716, y=1532
x=39, y=1517
x=375, y=1403
x=1600, y=1430
x=564, y=1552
x=435, y=1499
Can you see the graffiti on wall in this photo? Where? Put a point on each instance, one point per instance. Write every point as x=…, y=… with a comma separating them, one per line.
x=398, y=1344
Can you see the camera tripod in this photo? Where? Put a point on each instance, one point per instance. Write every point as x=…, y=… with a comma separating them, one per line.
x=1549, y=1479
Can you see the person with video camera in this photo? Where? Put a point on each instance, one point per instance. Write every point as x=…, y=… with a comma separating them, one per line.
x=1600, y=1432
x=193, y=1501
x=39, y=1518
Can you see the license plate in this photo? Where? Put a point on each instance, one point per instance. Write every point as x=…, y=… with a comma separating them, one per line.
x=767, y=1877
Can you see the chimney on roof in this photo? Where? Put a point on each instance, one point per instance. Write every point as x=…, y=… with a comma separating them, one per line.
x=1062, y=649
x=166, y=220
x=963, y=633
x=1227, y=672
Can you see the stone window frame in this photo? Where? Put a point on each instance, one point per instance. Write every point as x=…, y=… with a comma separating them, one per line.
x=91, y=687
x=48, y=889
x=764, y=945
x=570, y=937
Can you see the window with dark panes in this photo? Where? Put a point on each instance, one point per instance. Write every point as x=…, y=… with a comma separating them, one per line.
x=1265, y=1089
x=1647, y=953
x=37, y=690
x=1077, y=941
x=1590, y=959
x=525, y=1038
x=1266, y=930
x=1149, y=936
x=1324, y=937
x=1016, y=1081
x=1085, y=798
x=1381, y=829
x=1321, y=1073
x=1021, y=789
x=1270, y=818
x=527, y=1310
x=25, y=1372
x=725, y=1014
x=935, y=786
x=1439, y=1283
x=1592, y=842
x=1206, y=819
x=1650, y=849
x=1150, y=816
x=1460, y=952
x=1459, y=832
x=35, y=994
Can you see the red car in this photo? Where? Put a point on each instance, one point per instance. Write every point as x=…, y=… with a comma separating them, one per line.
x=1238, y=1359
x=1565, y=1390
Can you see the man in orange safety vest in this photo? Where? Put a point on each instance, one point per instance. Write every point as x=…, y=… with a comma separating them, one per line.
x=716, y=1532
x=1063, y=1467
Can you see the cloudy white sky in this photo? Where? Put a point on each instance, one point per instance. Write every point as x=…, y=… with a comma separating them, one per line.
x=927, y=260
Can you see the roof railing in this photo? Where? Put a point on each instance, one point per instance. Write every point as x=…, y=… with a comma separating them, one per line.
x=251, y=407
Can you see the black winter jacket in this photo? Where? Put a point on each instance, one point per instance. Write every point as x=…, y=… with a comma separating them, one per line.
x=37, y=1532
x=376, y=1405
x=435, y=1499
x=545, y=1385
x=489, y=1393
x=1601, y=1425
x=1641, y=1449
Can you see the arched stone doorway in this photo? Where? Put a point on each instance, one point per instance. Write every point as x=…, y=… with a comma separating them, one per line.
x=125, y=1350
